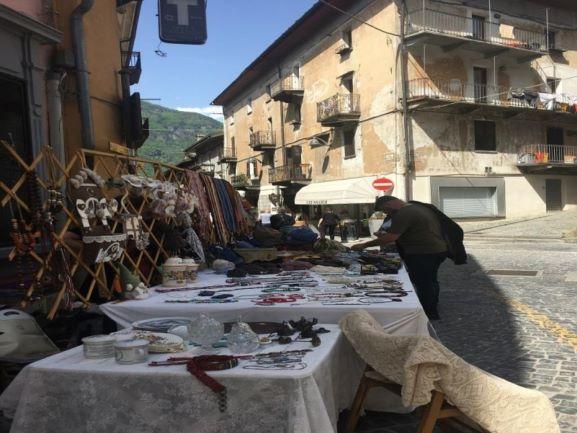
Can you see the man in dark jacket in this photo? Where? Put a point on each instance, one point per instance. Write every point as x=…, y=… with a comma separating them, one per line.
x=417, y=231
x=328, y=223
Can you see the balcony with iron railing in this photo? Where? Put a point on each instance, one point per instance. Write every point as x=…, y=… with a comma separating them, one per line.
x=288, y=89
x=339, y=109
x=243, y=181
x=227, y=154
x=287, y=174
x=262, y=140
x=452, y=96
x=131, y=63
x=547, y=157
x=456, y=31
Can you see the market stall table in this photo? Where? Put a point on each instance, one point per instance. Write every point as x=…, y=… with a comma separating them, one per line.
x=401, y=318
x=69, y=393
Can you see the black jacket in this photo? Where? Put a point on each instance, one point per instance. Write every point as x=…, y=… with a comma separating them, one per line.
x=452, y=233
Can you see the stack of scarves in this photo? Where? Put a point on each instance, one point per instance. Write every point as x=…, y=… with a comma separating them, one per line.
x=229, y=216
x=202, y=221
x=222, y=224
x=240, y=215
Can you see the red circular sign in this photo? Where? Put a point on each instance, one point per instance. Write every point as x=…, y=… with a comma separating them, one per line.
x=383, y=184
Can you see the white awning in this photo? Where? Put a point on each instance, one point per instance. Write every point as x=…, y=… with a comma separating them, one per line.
x=348, y=191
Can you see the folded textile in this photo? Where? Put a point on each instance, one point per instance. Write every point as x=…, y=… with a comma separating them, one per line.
x=328, y=270
x=201, y=220
x=220, y=225
x=421, y=364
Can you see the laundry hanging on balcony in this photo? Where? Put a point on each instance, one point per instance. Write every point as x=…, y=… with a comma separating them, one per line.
x=545, y=101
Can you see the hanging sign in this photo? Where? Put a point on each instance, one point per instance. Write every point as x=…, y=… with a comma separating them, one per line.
x=182, y=21
x=383, y=184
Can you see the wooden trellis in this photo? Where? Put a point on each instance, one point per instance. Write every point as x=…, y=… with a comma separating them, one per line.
x=52, y=174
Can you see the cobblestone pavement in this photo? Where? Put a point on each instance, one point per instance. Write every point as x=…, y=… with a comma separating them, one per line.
x=523, y=329
x=554, y=225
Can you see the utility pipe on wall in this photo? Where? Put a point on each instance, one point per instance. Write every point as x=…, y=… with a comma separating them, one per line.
x=405, y=105
x=54, y=97
x=79, y=48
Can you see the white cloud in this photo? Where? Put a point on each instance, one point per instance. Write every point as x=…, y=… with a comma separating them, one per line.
x=213, y=111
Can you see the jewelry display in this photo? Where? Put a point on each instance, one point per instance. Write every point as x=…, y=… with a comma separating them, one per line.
x=242, y=339
x=205, y=330
x=200, y=301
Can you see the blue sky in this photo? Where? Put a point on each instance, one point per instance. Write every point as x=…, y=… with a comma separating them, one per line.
x=191, y=76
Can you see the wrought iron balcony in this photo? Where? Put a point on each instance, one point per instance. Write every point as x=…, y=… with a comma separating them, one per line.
x=288, y=89
x=288, y=174
x=456, y=91
x=262, y=140
x=452, y=96
x=131, y=63
x=227, y=154
x=243, y=181
x=456, y=31
x=338, y=109
x=547, y=155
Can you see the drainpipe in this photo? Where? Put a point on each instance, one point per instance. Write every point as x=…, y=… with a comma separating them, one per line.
x=406, y=121
x=53, y=82
x=282, y=138
x=83, y=91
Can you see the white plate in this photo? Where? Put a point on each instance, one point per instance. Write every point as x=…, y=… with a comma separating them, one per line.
x=160, y=324
x=160, y=342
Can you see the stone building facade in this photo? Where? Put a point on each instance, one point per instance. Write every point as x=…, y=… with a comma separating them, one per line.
x=468, y=105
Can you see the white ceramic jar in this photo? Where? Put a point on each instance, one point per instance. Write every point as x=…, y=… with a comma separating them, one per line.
x=191, y=270
x=98, y=346
x=174, y=273
x=131, y=351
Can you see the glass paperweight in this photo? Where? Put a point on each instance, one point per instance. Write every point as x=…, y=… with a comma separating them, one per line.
x=205, y=331
x=242, y=339
x=182, y=331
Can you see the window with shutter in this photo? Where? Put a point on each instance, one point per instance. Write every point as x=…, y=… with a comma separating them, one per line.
x=485, y=135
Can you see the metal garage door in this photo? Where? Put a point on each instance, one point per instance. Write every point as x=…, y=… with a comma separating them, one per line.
x=469, y=202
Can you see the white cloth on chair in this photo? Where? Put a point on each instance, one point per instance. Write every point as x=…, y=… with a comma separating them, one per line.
x=421, y=364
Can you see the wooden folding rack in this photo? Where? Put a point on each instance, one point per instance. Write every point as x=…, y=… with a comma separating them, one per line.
x=109, y=166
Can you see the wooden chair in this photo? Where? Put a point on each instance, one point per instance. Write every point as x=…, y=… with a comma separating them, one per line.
x=450, y=419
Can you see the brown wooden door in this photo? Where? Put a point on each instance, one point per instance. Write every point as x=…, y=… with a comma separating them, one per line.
x=480, y=84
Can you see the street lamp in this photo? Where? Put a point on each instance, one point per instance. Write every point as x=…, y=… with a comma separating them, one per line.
x=317, y=141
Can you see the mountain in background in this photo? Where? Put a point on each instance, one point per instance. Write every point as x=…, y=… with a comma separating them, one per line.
x=172, y=131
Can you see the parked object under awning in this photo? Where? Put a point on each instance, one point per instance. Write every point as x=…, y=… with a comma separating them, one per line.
x=348, y=191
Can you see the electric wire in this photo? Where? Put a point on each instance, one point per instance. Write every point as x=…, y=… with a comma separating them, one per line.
x=354, y=17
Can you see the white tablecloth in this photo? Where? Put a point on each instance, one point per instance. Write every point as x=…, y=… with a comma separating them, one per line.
x=68, y=393
x=400, y=318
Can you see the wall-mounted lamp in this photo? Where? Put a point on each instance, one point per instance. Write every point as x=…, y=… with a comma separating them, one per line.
x=318, y=141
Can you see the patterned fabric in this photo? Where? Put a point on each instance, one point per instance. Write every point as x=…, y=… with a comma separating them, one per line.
x=194, y=244
x=225, y=204
x=222, y=233
x=201, y=221
x=421, y=364
x=240, y=215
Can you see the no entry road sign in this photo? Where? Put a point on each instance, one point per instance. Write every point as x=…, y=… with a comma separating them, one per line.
x=383, y=184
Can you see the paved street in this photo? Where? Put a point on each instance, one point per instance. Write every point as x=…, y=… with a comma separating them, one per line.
x=522, y=328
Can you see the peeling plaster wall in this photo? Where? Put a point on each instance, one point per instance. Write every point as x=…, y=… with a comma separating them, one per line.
x=443, y=143
x=372, y=61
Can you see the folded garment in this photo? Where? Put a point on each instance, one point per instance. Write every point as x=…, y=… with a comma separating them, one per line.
x=328, y=270
x=421, y=364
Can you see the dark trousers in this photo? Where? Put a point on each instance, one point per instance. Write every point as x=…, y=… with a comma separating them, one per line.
x=330, y=229
x=423, y=269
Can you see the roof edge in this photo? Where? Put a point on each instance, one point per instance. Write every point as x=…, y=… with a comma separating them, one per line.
x=265, y=61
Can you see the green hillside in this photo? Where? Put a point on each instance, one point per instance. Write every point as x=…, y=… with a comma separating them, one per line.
x=172, y=131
